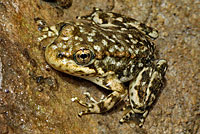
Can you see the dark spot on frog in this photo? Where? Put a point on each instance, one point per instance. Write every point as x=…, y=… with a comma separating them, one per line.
x=145, y=76
x=116, y=22
x=81, y=72
x=103, y=17
x=60, y=55
x=131, y=93
x=133, y=103
x=137, y=88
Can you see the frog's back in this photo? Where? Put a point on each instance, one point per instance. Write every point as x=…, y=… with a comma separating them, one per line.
x=117, y=49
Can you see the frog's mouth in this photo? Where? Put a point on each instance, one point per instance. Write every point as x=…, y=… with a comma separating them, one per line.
x=66, y=64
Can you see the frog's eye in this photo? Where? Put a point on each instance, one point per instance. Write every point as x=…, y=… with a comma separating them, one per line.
x=83, y=56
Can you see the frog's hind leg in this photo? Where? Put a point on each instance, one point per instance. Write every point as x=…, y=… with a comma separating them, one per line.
x=105, y=19
x=134, y=113
x=91, y=15
x=143, y=28
x=144, y=90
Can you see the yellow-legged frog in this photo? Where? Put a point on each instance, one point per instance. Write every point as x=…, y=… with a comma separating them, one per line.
x=108, y=49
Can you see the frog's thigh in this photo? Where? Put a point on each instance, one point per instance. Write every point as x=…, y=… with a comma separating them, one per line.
x=108, y=102
x=138, y=93
x=143, y=91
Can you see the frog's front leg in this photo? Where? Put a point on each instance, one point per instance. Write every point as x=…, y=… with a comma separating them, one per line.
x=48, y=31
x=144, y=90
x=108, y=102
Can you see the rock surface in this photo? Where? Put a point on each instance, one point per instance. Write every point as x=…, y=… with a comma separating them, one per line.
x=36, y=99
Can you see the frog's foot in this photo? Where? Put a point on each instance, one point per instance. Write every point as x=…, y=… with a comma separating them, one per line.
x=126, y=117
x=131, y=114
x=99, y=107
x=85, y=104
x=87, y=94
x=127, y=105
x=93, y=107
x=48, y=32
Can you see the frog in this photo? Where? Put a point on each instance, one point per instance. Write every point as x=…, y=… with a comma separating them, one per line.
x=110, y=50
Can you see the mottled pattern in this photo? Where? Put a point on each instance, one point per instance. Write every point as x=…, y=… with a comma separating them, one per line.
x=108, y=49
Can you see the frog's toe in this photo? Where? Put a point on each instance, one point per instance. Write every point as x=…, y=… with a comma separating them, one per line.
x=42, y=26
x=84, y=112
x=91, y=107
x=121, y=121
x=127, y=117
x=76, y=99
x=131, y=116
x=141, y=122
x=80, y=114
x=87, y=94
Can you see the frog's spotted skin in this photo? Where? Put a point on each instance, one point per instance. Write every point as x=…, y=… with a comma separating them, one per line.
x=108, y=49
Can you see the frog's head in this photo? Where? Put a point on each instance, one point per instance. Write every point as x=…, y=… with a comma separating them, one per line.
x=69, y=56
